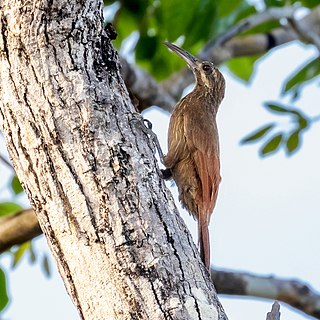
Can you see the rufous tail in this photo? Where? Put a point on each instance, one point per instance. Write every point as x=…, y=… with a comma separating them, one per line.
x=204, y=243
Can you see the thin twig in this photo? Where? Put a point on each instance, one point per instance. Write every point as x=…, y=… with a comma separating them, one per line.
x=149, y=92
x=145, y=88
x=242, y=46
x=5, y=161
x=304, y=33
x=273, y=13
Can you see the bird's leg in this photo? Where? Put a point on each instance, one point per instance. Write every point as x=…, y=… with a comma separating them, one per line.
x=166, y=174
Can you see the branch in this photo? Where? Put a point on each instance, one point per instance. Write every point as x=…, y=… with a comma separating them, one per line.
x=244, y=46
x=247, y=24
x=304, y=33
x=24, y=226
x=145, y=88
x=89, y=169
x=18, y=228
x=227, y=46
x=6, y=162
x=295, y=293
x=275, y=312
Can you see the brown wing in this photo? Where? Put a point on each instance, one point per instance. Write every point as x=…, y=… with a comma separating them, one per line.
x=177, y=147
x=202, y=141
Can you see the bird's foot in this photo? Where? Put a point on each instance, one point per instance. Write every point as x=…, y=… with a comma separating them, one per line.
x=147, y=129
x=166, y=174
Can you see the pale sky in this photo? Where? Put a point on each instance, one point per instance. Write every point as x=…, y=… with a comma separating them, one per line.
x=267, y=216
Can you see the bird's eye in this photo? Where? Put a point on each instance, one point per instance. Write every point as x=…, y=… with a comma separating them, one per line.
x=206, y=68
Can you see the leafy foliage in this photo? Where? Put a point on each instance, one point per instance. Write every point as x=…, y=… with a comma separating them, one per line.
x=258, y=134
x=242, y=67
x=272, y=145
x=290, y=140
x=46, y=266
x=9, y=208
x=4, y=299
x=192, y=23
x=143, y=25
x=16, y=186
x=282, y=3
x=301, y=77
x=19, y=252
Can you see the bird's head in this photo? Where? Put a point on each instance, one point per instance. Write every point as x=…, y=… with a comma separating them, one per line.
x=207, y=74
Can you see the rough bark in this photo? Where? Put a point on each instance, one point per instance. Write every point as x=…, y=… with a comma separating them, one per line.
x=88, y=168
x=24, y=226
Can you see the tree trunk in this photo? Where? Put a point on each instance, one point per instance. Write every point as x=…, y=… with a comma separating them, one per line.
x=89, y=171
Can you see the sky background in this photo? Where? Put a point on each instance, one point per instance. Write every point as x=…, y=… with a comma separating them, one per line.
x=267, y=216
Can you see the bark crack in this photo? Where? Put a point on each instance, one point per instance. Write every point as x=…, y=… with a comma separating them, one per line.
x=4, y=38
x=91, y=174
x=59, y=252
x=170, y=239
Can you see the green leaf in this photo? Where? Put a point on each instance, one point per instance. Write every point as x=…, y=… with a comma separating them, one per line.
x=227, y=7
x=206, y=27
x=274, y=3
x=137, y=7
x=242, y=67
x=309, y=3
x=146, y=47
x=163, y=63
x=15, y=185
x=303, y=122
x=195, y=20
x=4, y=299
x=242, y=11
x=18, y=254
x=32, y=254
x=176, y=16
x=272, y=145
x=277, y=108
x=9, y=208
x=46, y=266
x=282, y=109
x=125, y=24
x=263, y=27
x=293, y=141
x=308, y=72
x=257, y=134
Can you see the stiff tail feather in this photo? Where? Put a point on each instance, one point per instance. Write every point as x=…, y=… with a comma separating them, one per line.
x=204, y=242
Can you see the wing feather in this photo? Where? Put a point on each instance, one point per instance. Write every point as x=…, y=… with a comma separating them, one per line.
x=177, y=146
x=202, y=142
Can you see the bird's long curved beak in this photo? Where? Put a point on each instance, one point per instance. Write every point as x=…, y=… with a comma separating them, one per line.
x=185, y=55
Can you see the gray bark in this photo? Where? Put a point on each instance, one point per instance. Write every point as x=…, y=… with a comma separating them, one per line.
x=89, y=170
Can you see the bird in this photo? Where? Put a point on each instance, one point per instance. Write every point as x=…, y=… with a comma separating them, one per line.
x=193, y=155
